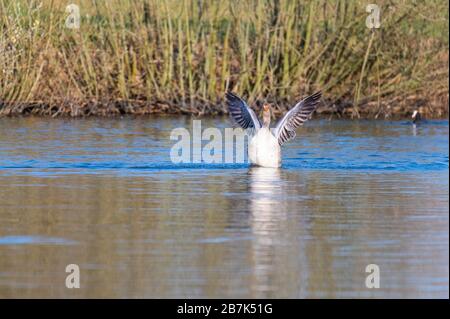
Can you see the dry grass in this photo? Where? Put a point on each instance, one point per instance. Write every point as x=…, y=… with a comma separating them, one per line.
x=182, y=55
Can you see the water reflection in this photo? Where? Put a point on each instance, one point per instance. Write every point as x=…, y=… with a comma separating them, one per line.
x=101, y=194
x=266, y=190
x=268, y=211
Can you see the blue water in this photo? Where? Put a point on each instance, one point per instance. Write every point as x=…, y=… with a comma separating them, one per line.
x=104, y=194
x=139, y=145
x=33, y=240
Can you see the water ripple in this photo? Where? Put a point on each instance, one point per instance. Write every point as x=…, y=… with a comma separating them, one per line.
x=34, y=240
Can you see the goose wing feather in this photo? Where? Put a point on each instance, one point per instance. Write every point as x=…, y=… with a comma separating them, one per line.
x=241, y=113
x=299, y=114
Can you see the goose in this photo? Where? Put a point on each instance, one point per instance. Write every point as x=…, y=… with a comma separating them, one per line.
x=265, y=143
x=416, y=117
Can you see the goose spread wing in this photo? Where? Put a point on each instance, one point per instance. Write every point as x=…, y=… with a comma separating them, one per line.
x=241, y=113
x=299, y=114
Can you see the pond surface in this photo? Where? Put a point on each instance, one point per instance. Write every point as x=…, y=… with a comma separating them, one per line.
x=104, y=194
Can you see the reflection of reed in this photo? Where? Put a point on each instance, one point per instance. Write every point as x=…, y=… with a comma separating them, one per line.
x=270, y=233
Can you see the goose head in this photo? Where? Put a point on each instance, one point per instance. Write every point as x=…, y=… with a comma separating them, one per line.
x=266, y=114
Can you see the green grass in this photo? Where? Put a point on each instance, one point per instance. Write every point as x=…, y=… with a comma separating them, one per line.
x=182, y=55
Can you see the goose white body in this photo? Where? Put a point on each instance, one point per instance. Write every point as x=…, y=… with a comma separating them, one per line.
x=264, y=150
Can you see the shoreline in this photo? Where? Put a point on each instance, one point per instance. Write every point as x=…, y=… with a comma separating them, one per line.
x=437, y=109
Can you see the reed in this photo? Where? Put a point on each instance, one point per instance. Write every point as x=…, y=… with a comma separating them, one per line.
x=180, y=56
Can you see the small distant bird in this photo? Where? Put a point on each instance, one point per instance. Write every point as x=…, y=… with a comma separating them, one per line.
x=265, y=143
x=416, y=117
